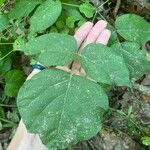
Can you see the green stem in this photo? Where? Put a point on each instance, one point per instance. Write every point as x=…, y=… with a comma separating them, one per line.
x=4, y=105
x=6, y=43
x=7, y=121
x=72, y=5
x=102, y=5
x=6, y=55
x=94, y=16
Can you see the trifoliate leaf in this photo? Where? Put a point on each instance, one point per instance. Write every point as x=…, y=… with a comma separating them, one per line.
x=133, y=28
x=22, y=8
x=103, y=66
x=87, y=9
x=4, y=21
x=45, y=15
x=51, y=49
x=134, y=58
x=63, y=108
x=14, y=80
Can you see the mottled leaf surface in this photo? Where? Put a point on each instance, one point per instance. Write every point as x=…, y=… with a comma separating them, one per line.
x=134, y=58
x=50, y=49
x=63, y=108
x=22, y=8
x=133, y=28
x=104, y=66
x=45, y=15
x=3, y=22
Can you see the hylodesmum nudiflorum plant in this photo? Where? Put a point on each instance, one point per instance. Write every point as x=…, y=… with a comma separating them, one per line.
x=64, y=108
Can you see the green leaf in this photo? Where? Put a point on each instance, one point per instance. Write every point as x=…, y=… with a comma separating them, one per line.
x=134, y=58
x=51, y=49
x=146, y=140
x=72, y=15
x=133, y=28
x=69, y=106
x=45, y=15
x=14, y=80
x=103, y=66
x=87, y=9
x=1, y=2
x=4, y=21
x=70, y=22
x=22, y=8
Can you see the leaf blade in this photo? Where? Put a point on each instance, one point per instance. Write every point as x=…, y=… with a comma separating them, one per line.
x=65, y=110
x=133, y=28
x=50, y=49
x=103, y=66
x=22, y=8
x=45, y=15
x=134, y=58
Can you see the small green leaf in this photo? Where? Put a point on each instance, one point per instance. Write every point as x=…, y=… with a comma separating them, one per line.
x=102, y=65
x=14, y=80
x=130, y=110
x=4, y=21
x=134, y=58
x=69, y=106
x=51, y=49
x=70, y=22
x=22, y=8
x=146, y=140
x=45, y=15
x=133, y=28
x=87, y=9
x=60, y=24
x=73, y=15
x=53, y=29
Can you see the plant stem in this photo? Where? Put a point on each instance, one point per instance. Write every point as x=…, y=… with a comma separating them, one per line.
x=72, y=5
x=6, y=43
x=7, y=121
x=4, y=105
x=6, y=55
x=102, y=4
x=94, y=16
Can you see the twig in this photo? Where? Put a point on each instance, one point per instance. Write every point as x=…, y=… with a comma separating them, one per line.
x=117, y=8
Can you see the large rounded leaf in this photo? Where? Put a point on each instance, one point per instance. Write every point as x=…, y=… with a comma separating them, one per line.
x=133, y=28
x=45, y=15
x=62, y=108
x=50, y=49
x=22, y=8
x=104, y=66
x=134, y=58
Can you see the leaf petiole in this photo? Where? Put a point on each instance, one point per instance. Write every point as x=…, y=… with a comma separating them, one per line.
x=6, y=55
x=72, y=5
